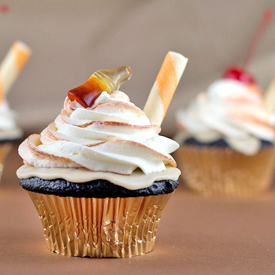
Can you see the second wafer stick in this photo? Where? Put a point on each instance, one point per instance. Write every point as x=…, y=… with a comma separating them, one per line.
x=269, y=98
x=12, y=65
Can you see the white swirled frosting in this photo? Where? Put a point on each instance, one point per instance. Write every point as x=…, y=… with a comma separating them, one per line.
x=8, y=128
x=113, y=136
x=229, y=110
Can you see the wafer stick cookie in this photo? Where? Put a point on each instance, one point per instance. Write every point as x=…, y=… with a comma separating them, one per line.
x=269, y=98
x=164, y=87
x=12, y=65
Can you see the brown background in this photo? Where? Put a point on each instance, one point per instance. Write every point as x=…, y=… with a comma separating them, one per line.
x=71, y=40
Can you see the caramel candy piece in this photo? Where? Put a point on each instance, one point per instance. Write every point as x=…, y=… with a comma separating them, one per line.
x=100, y=81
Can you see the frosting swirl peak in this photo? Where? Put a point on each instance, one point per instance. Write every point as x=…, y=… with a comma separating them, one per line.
x=113, y=135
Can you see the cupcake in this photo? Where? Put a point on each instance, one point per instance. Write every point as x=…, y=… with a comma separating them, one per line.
x=10, y=68
x=9, y=132
x=226, y=135
x=226, y=141
x=99, y=176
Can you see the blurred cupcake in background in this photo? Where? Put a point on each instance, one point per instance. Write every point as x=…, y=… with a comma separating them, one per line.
x=226, y=141
x=10, y=68
x=226, y=136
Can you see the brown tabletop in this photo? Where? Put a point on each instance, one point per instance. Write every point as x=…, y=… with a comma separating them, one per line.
x=196, y=236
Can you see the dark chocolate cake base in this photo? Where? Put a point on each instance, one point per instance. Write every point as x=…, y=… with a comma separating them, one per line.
x=10, y=140
x=94, y=189
x=220, y=143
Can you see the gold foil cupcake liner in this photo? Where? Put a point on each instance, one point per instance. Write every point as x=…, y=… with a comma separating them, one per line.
x=92, y=227
x=222, y=172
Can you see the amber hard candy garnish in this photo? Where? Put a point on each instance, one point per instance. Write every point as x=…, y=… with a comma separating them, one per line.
x=240, y=75
x=100, y=81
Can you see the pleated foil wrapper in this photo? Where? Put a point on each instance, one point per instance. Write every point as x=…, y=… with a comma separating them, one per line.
x=222, y=172
x=92, y=227
x=5, y=149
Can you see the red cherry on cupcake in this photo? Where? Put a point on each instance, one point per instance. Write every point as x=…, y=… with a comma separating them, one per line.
x=239, y=73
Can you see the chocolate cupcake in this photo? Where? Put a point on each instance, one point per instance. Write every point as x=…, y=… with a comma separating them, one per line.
x=10, y=68
x=9, y=132
x=226, y=141
x=99, y=176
